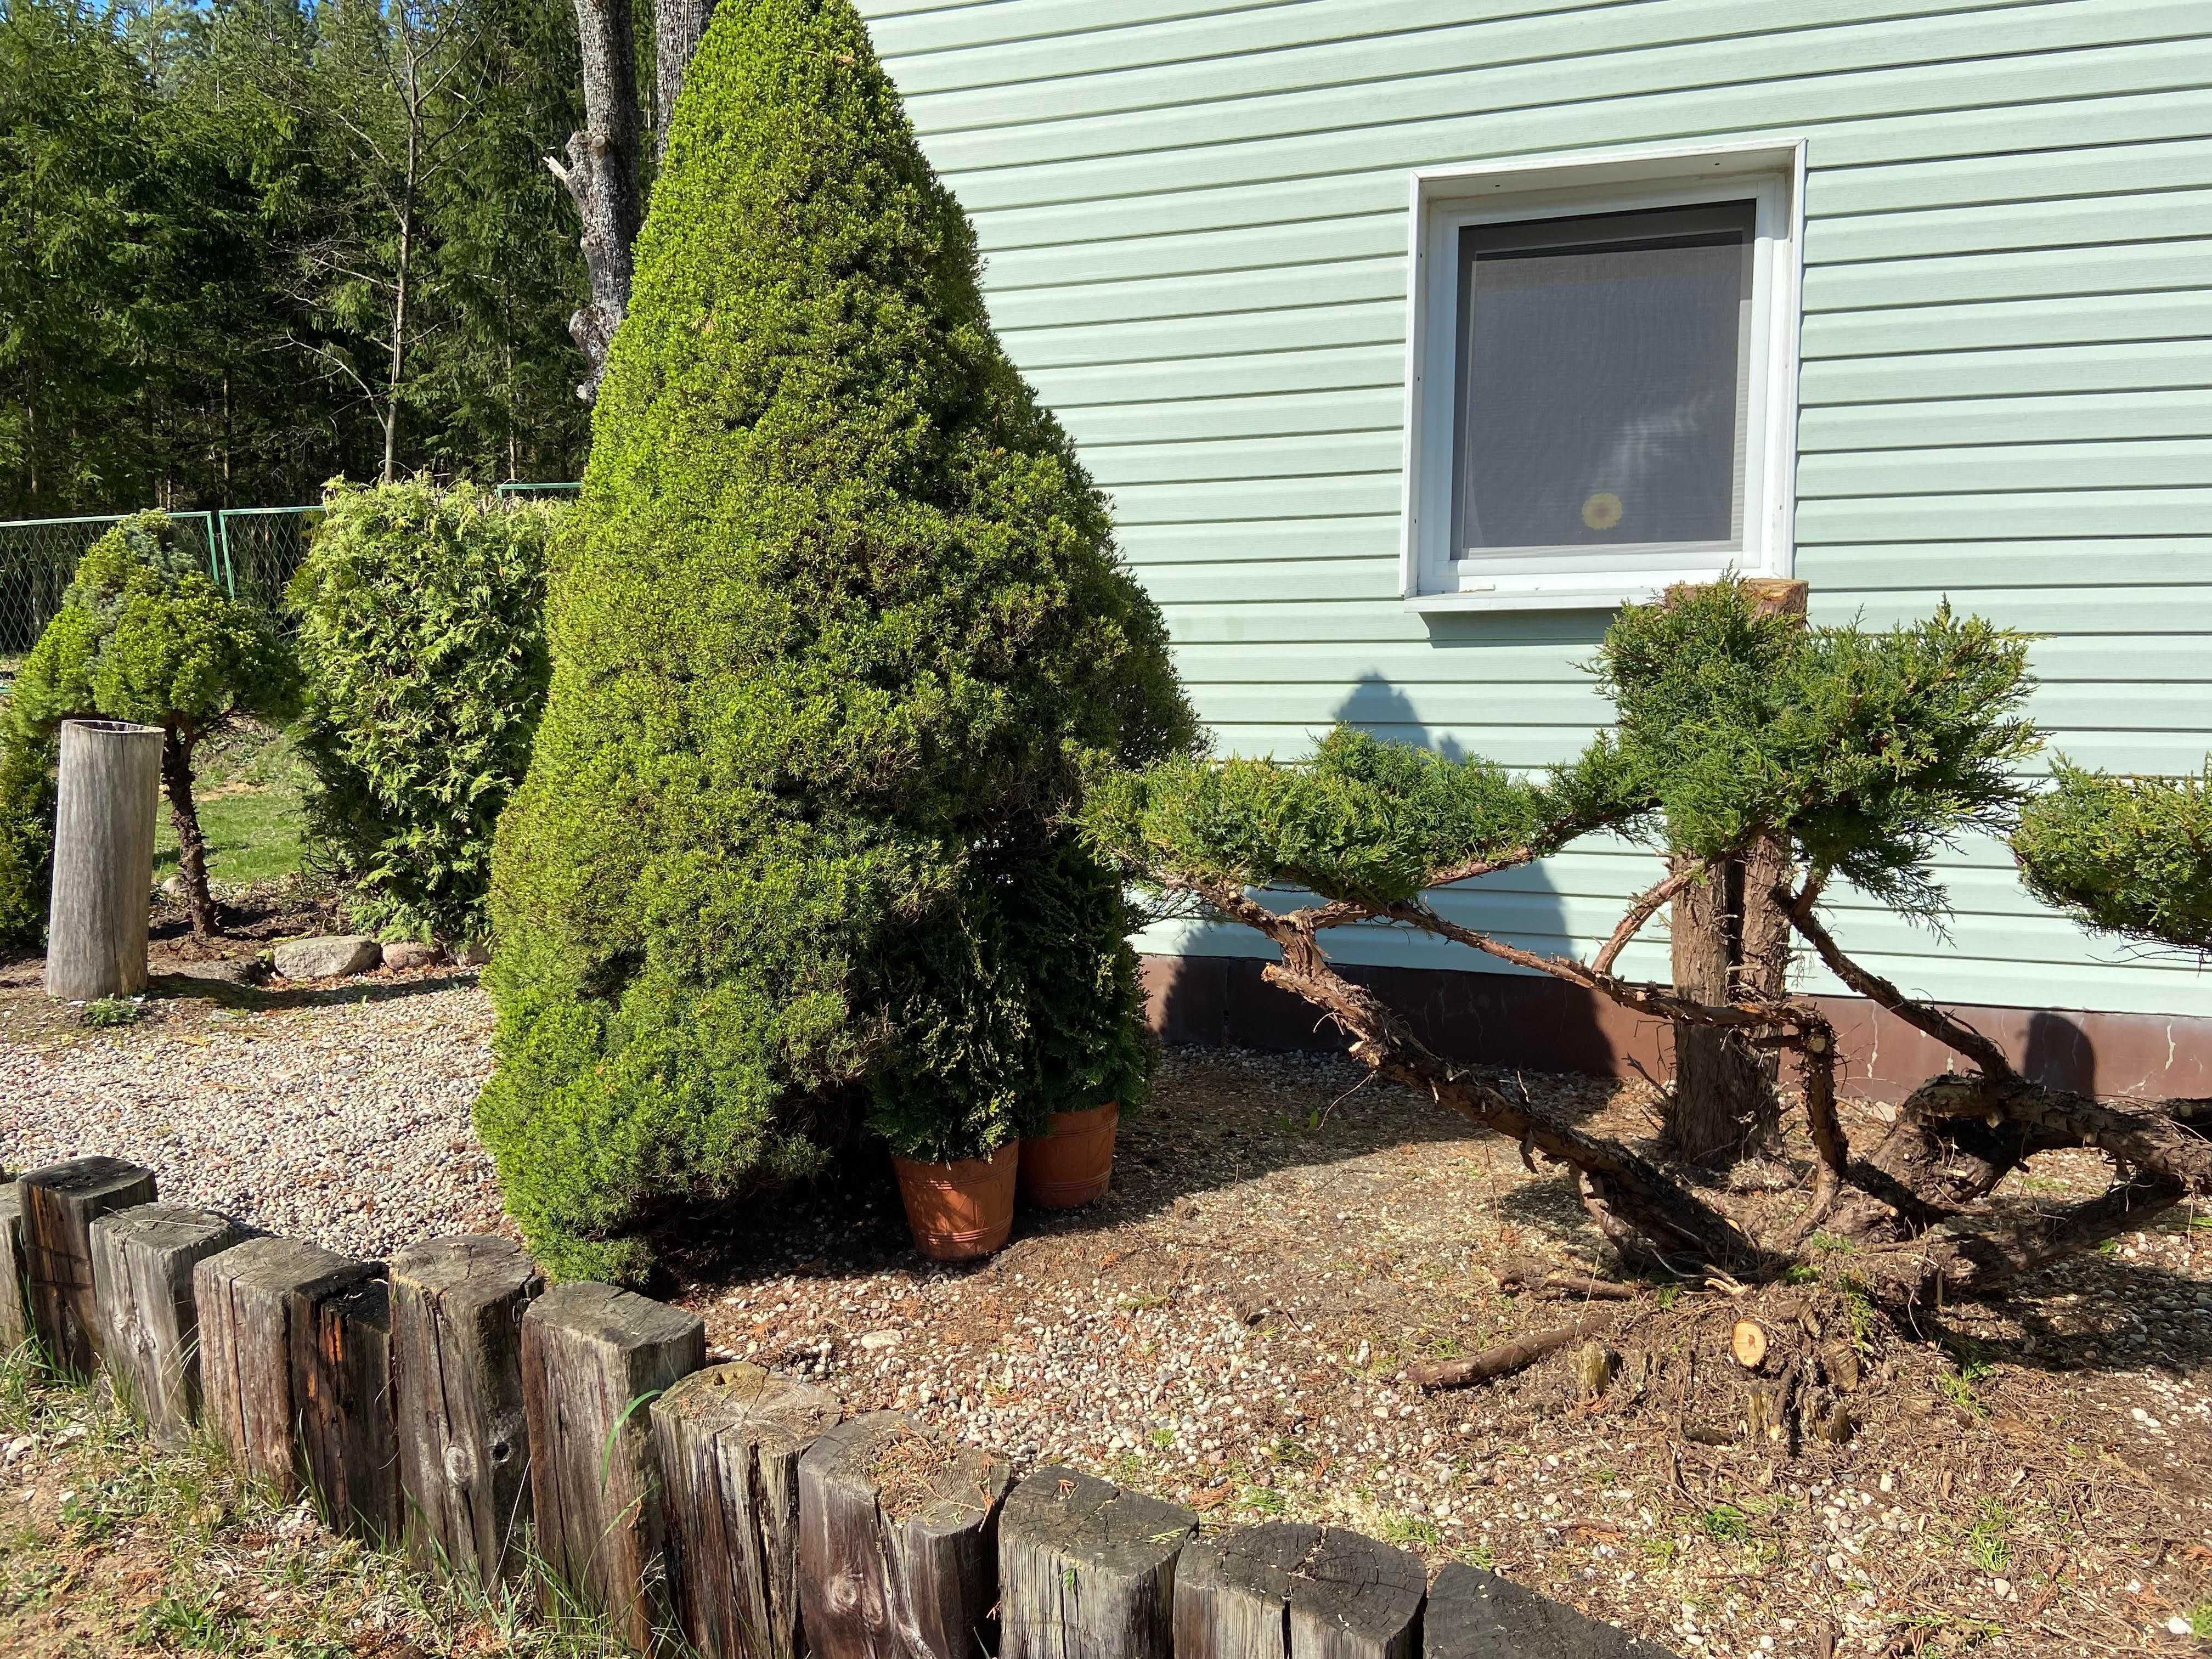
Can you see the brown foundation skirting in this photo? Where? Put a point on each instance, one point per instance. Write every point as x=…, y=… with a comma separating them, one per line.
x=1514, y=1019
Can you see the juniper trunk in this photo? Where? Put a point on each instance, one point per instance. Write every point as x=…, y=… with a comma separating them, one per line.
x=192, y=845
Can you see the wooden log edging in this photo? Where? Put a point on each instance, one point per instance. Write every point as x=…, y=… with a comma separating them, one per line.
x=142, y=1261
x=457, y=1308
x=593, y=1358
x=726, y=1507
x=60, y=1203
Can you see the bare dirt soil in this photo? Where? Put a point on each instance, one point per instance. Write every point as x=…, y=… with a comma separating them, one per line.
x=1232, y=1327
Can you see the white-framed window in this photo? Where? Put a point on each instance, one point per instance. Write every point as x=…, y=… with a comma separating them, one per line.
x=1601, y=375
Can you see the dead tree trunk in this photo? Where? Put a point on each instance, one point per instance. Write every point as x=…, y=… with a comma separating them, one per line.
x=103, y=860
x=601, y=176
x=1731, y=944
x=677, y=25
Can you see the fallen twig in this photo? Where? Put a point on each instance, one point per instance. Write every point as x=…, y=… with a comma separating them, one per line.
x=1505, y=1358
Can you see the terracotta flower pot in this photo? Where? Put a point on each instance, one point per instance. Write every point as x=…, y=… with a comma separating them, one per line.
x=1071, y=1163
x=957, y=1211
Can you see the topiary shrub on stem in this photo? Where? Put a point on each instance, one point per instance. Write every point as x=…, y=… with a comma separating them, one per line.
x=145, y=635
x=1855, y=754
x=422, y=643
x=838, y=639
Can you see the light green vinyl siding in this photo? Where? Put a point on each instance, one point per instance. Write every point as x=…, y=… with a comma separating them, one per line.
x=1194, y=220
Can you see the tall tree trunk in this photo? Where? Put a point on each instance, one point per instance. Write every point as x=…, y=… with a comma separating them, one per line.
x=677, y=25
x=1731, y=942
x=192, y=845
x=601, y=176
x=399, y=336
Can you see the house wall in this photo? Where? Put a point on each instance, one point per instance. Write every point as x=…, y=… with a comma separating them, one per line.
x=1195, y=222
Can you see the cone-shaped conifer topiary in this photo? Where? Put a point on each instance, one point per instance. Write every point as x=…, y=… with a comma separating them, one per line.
x=839, y=636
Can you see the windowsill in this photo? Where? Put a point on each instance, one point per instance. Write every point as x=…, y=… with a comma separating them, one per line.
x=1553, y=593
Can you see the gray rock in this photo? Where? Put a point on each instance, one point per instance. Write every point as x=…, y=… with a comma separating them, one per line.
x=405, y=953
x=332, y=956
x=474, y=954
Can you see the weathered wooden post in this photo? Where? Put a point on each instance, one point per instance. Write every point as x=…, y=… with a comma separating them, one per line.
x=1304, y=1592
x=897, y=1539
x=15, y=1272
x=457, y=1307
x=730, y=1439
x=1087, y=1570
x=341, y=1338
x=60, y=1204
x=294, y=1354
x=593, y=1358
x=142, y=1269
x=103, y=884
x=1474, y=1614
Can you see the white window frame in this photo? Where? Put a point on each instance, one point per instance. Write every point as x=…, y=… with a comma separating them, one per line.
x=1770, y=172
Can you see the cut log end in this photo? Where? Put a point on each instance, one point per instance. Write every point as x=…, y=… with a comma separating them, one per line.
x=1747, y=1342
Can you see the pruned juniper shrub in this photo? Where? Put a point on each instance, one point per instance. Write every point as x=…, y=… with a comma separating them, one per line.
x=839, y=636
x=1859, y=753
x=422, y=641
x=144, y=634
x=2126, y=855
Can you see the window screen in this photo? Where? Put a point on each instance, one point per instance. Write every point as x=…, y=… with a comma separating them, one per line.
x=1604, y=368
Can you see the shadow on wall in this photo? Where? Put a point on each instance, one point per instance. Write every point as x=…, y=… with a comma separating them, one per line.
x=1497, y=1016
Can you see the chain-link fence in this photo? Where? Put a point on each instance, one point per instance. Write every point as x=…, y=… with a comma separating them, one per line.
x=38, y=559
x=249, y=550
x=260, y=548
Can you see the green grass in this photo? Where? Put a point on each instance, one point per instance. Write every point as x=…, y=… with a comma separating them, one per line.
x=247, y=787
x=170, y=1552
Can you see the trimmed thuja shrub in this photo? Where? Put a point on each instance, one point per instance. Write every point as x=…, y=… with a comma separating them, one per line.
x=422, y=639
x=145, y=635
x=838, y=637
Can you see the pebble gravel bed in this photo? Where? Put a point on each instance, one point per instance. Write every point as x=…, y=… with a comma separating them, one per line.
x=347, y=1124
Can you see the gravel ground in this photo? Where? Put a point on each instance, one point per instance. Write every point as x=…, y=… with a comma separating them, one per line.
x=1231, y=1329
x=344, y=1121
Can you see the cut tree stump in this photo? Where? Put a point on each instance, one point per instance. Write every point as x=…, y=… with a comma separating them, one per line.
x=1474, y=1614
x=897, y=1536
x=250, y=1296
x=1087, y=1570
x=141, y=1265
x=341, y=1339
x=730, y=1439
x=60, y=1204
x=592, y=1357
x=457, y=1307
x=103, y=884
x=1284, y=1589
x=15, y=1272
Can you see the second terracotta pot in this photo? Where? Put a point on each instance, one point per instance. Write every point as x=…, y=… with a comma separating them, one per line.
x=1073, y=1162
x=957, y=1211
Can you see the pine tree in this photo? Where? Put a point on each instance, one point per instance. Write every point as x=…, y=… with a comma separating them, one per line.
x=839, y=637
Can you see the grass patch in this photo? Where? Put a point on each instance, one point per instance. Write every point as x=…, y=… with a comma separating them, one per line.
x=247, y=786
x=126, y=1547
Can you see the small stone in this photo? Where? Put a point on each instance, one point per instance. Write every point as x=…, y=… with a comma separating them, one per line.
x=405, y=954
x=2178, y=1625
x=224, y=970
x=332, y=956
x=874, y=1340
